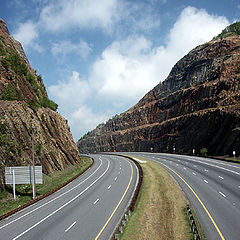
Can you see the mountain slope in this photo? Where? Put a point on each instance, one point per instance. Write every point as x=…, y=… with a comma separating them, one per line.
x=197, y=106
x=24, y=104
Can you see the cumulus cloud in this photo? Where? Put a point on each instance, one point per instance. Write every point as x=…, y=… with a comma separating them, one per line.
x=70, y=94
x=27, y=33
x=62, y=48
x=128, y=69
x=63, y=14
x=194, y=27
x=84, y=119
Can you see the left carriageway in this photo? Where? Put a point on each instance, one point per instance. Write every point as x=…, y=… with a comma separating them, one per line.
x=90, y=207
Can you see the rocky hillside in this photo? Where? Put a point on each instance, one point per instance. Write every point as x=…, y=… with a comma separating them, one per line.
x=197, y=106
x=25, y=107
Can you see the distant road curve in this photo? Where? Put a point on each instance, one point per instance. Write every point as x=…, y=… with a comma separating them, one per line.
x=88, y=208
x=212, y=187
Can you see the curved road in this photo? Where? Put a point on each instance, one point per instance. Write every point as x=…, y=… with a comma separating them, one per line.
x=88, y=208
x=212, y=188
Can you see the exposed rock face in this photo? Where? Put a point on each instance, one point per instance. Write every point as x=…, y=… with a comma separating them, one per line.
x=24, y=103
x=197, y=106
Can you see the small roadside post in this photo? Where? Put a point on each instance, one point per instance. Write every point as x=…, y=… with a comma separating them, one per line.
x=33, y=159
x=14, y=185
x=234, y=154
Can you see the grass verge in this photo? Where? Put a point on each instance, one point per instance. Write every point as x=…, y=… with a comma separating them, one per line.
x=159, y=212
x=50, y=182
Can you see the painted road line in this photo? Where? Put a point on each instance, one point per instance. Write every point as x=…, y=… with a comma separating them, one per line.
x=64, y=205
x=222, y=194
x=105, y=225
x=115, y=179
x=226, y=169
x=200, y=201
x=205, y=181
x=205, y=170
x=220, y=177
x=109, y=187
x=96, y=201
x=54, y=199
x=194, y=173
x=184, y=168
x=70, y=227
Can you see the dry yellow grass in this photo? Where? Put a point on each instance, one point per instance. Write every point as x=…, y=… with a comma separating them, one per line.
x=159, y=213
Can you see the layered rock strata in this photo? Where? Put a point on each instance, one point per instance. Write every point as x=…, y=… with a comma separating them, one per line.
x=197, y=106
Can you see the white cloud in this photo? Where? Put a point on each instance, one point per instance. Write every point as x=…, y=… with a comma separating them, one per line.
x=194, y=27
x=27, y=33
x=63, y=48
x=128, y=69
x=70, y=94
x=84, y=119
x=125, y=70
x=62, y=15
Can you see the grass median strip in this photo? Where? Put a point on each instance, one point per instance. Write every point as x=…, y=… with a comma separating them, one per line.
x=159, y=213
x=50, y=182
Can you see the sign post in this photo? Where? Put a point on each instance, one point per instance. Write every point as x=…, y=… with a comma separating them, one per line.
x=14, y=185
x=34, y=177
x=22, y=175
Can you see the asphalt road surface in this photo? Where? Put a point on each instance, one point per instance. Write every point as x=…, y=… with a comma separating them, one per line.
x=212, y=188
x=88, y=208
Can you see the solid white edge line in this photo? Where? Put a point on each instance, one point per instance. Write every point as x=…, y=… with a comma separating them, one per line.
x=64, y=205
x=70, y=226
x=35, y=209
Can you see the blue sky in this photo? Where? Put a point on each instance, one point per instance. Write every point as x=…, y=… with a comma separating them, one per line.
x=100, y=57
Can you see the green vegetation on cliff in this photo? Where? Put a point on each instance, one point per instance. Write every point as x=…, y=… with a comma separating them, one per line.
x=231, y=30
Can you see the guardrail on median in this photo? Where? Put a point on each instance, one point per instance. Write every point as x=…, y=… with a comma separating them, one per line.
x=44, y=195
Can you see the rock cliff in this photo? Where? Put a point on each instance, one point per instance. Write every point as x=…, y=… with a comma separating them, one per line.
x=197, y=106
x=25, y=107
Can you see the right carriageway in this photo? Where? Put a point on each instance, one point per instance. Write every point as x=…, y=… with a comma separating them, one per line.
x=211, y=186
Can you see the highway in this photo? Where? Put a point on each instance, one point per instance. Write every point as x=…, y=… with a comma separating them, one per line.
x=90, y=207
x=212, y=188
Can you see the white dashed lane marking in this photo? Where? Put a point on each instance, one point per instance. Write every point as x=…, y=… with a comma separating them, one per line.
x=220, y=177
x=194, y=173
x=222, y=194
x=205, y=181
x=96, y=201
x=109, y=187
x=70, y=226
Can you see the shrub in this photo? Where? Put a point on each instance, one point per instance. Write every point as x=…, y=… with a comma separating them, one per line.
x=39, y=78
x=45, y=102
x=33, y=105
x=2, y=51
x=38, y=149
x=13, y=60
x=30, y=77
x=9, y=94
x=203, y=152
x=42, y=117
